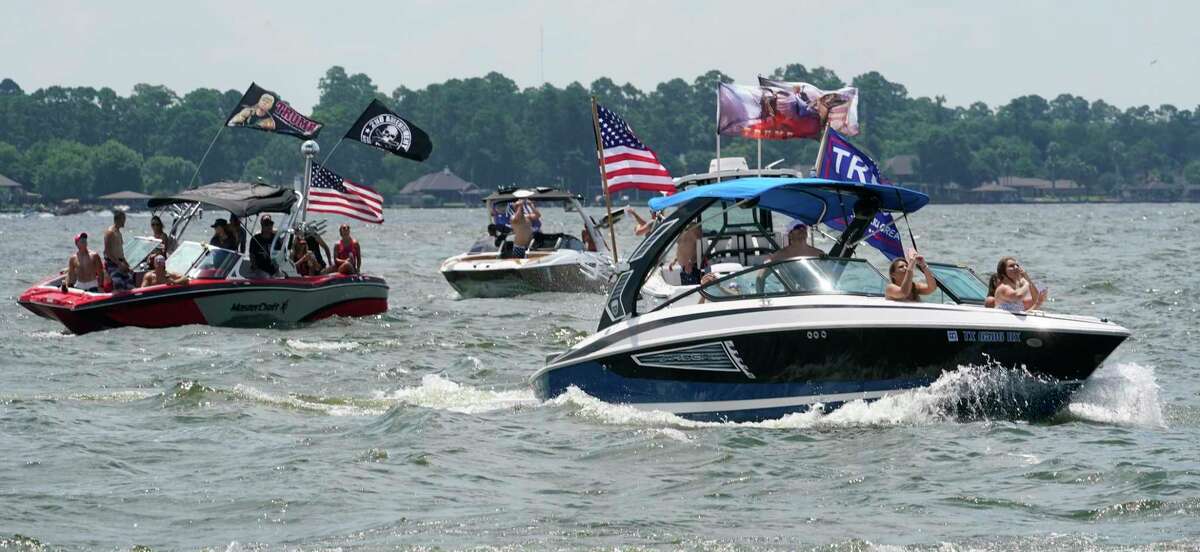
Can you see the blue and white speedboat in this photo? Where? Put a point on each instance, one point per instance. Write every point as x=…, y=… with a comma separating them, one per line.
x=805, y=332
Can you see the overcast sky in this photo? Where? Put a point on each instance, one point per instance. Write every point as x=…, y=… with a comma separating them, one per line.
x=1126, y=53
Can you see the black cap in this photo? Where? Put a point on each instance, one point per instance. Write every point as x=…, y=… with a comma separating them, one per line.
x=266, y=219
x=219, y=222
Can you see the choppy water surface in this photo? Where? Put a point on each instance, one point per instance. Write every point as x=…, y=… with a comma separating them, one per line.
x=417, y=428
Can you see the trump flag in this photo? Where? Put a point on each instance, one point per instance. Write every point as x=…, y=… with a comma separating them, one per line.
x=842, y=161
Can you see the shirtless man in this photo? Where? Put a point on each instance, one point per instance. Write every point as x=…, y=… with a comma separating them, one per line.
x=644, y=226
x=685, y=254
x=160, y=275
x=525, y=217
x=114, y=254
x=797, y=245
x=84, y=269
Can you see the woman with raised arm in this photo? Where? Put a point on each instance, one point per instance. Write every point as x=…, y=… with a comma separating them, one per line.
x=902, y=287
x=1015, y=291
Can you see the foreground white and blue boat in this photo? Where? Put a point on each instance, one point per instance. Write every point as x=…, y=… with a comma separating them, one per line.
x=789, y=335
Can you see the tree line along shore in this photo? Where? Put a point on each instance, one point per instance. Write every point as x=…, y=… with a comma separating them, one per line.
x=60, y=143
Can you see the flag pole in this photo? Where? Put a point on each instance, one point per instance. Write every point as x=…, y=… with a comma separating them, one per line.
x=821, y=150
x=205, y=156
x=310, y=149
x=760, y=156
x=718, y=132
x=335, y=147
x=612, y=232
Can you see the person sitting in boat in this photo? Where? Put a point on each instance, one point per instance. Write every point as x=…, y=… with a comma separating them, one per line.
x=902, y=287
x=1015, y=290
x=524, y=217
x=261, y=263
x=221, y=236
x=160, y=275
x=797, y=245
x=156, y=230
x=994, y=281
x=690, y=269
x=319, y=249
x=347, y=255
x=84, y=269
x=307, y=263
x=114, y=255
x=588, y=243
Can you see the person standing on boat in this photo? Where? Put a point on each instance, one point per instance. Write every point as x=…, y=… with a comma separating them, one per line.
x=261, y=263
x=686, y=256
x=221, y=237
x=797, y=245
x=347, y=255
x=526, y=220
x=83, y=264
x=902, y=287
x=1015, y=291
x=236, y=233
x=114, y=255
x=644, y=226
x=156, y=230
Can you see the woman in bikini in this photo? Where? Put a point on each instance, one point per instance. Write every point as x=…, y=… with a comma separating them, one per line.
x=1015, y=291
x=902, y=287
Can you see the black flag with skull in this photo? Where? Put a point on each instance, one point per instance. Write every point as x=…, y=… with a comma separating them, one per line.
x=379, y=127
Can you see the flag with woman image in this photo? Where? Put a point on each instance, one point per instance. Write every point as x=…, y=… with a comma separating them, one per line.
x=840, y=160
x=777, y=110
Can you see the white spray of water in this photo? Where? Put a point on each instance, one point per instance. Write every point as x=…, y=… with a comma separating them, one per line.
x=439, y=393
x=322, y=346
x=1124, y=394
x=1121, y=394
x=339, y=408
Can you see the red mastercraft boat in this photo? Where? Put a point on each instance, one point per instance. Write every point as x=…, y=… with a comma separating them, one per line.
x=222, y=290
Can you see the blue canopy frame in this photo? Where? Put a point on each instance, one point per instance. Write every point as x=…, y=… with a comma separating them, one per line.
x=811, y=200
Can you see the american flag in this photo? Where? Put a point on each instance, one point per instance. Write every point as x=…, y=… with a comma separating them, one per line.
x=628, y=163
x=330, y=193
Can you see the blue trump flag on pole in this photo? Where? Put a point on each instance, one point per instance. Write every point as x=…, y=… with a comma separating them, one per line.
x=842, y=161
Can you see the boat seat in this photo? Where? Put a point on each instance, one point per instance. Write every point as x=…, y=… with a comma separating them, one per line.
x=670, y=274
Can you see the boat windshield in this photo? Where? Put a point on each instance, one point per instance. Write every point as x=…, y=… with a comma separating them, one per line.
x=138, y=248
x=198, y=260
x=184, y=257
x=960, y=283
x=799, y=276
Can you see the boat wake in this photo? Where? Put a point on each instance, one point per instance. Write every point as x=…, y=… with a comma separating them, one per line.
x=439, y=393
x=1124, y=394
x=1121, y=394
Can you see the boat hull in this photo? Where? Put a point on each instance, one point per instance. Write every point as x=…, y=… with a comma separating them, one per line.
x=780, y=366
x=473, y=276
x=236, y=303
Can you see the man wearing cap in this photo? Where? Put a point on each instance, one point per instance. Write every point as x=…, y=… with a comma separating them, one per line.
x=83, y=264
x=221, y=237
x=797, y=245
x=114, y=254
x=260, y=249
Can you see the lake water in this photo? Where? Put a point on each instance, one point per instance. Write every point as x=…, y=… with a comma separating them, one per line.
x=417, y=428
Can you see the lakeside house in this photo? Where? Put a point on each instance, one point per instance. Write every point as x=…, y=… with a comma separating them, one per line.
x=11, y=191
x=439, y=189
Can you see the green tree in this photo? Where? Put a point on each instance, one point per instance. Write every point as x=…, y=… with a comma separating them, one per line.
x=117, y=168
x=162, y=174
x=63, y=170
